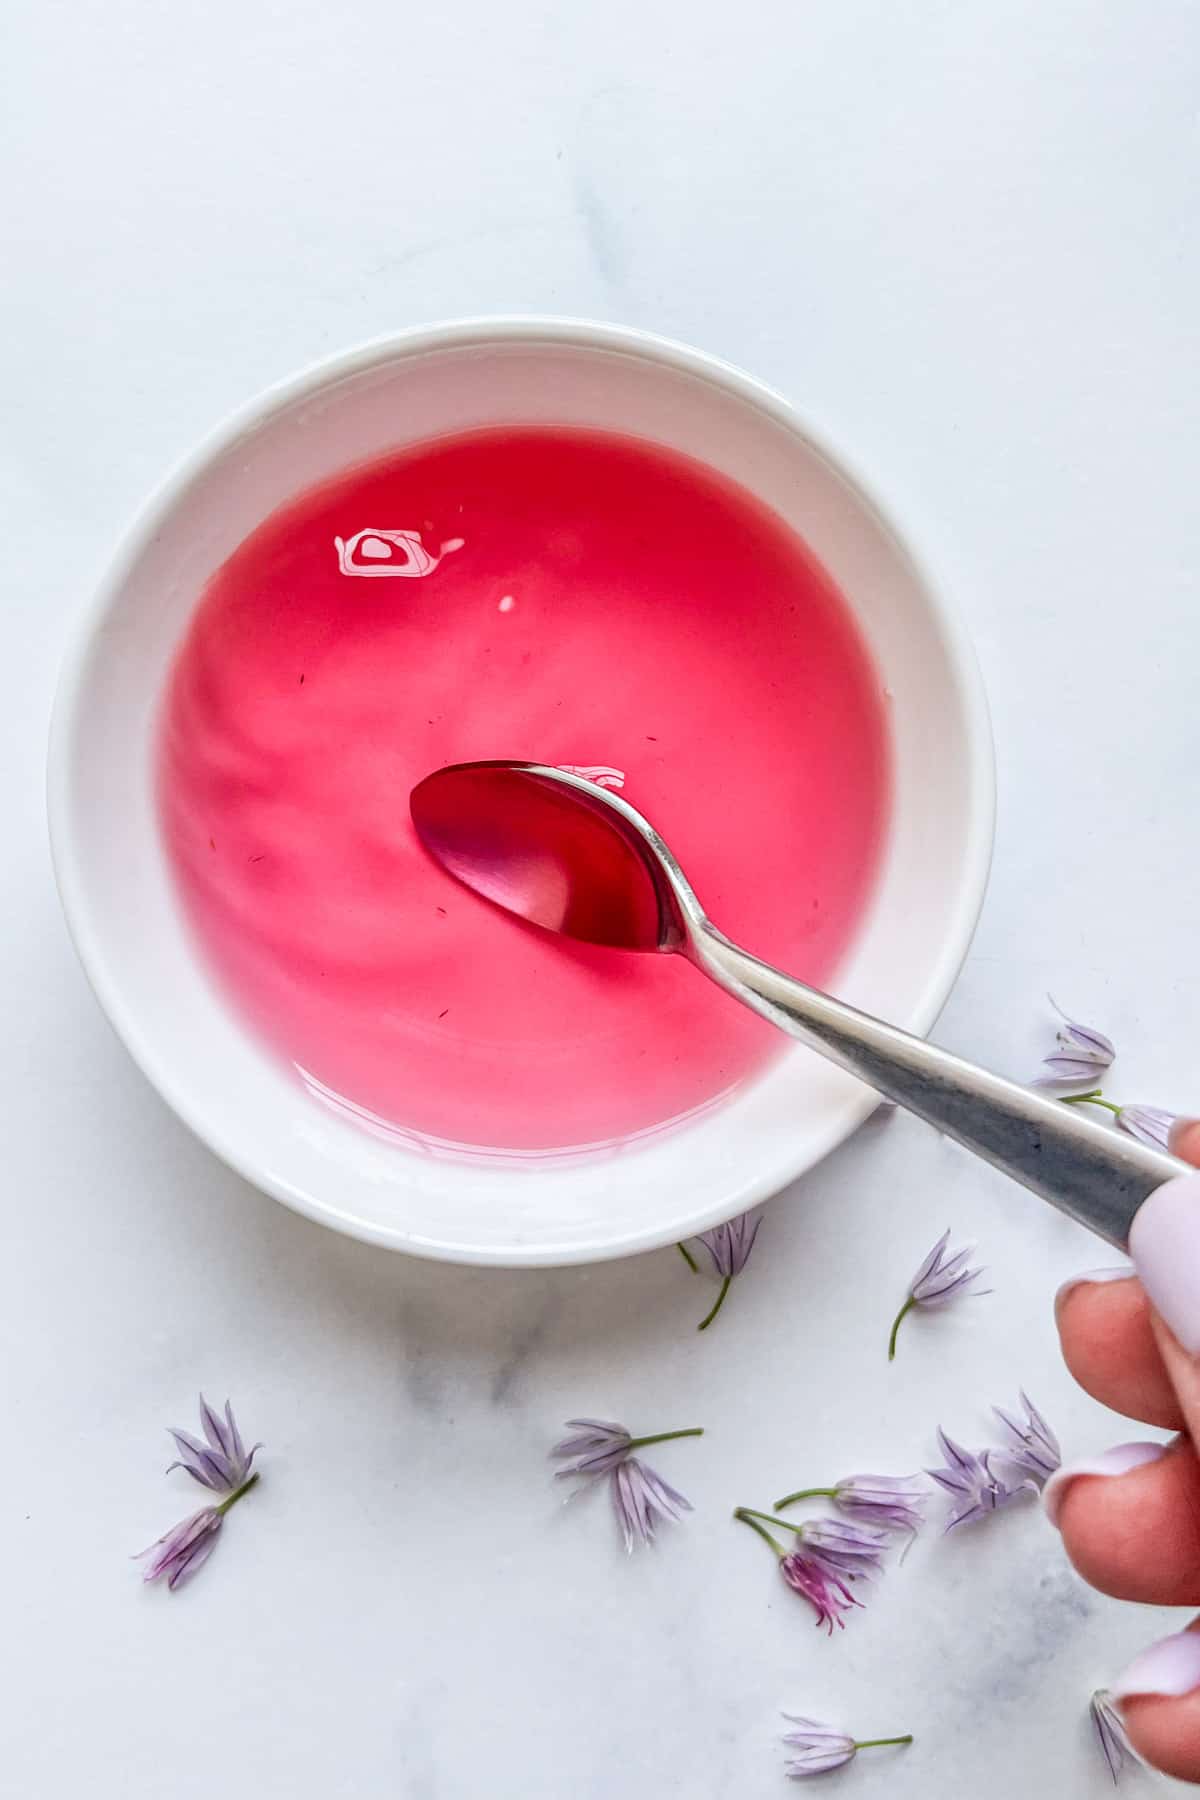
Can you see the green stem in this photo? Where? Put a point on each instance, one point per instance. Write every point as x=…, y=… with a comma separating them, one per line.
x=1093, y=1099
x=900, y=1318
x=232, y=1499
x=688, y=1258
x=806, y=1494
x=747, y=1518
x=664, y=1437
x=717, y=1305
x=875, y=1743
x=748, y=1513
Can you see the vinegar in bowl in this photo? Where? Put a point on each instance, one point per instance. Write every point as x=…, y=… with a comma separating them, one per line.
x=553, y=595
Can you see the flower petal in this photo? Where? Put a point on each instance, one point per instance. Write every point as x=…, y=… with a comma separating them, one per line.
x=1113, y=1738
x=1149, y=1124
x=1085, y=1036
x=660, y=1493
x=932, y=1261
x=235, y=1437
x=955, y=1455
x=215, y=1430
x=192, y=1451
x=197, y=1474
x=1064, y=1070
x=632, y=1516
x=192, y=1561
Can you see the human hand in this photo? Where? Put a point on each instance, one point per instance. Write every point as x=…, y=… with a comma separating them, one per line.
x=1130, y=1518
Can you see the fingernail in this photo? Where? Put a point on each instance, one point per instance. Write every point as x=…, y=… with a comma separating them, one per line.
x=1184, y=1139
x=1117, y=1461
x=1125, y=1273
x=1171, y=1667
x=1164, y=1241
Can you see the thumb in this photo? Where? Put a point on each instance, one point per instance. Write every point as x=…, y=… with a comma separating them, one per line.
x=1185, y=1140
x=1164, y=1242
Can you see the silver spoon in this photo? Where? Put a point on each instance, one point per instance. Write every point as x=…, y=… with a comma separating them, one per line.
x=567, y=855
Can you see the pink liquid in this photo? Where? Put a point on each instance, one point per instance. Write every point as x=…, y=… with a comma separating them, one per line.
x=611, y=603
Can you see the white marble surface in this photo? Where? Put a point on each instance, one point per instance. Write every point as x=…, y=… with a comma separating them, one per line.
x=962, y=237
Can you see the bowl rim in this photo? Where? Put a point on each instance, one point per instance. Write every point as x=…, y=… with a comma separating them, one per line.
x=488, y=331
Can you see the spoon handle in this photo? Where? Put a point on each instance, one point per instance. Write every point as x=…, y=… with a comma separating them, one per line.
x=1092, y=1173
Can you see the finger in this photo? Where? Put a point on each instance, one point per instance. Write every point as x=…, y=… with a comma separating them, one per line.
x=1160, y=1690
x=1104, y=1322
x=1164, y=1241
x=1134, y=1531
x=1159, y=1697
x=1109, y=1346
x=1130, y=1521
x=1185, y=1140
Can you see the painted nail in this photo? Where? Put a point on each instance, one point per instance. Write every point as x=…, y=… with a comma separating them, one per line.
x=1171, y=1667
x=1117, y=1461
x=1164, y=1241
x=1184, y=1139
x=1096, y=1276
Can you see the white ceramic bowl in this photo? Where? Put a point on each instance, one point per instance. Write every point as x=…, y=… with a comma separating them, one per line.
x=117, y=891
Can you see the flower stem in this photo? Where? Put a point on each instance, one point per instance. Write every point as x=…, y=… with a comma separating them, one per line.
x=806, y=1494
x=876, y=1743
x=717, y=1305
x=749, y=1513
x=1093, y=1099
x=900, y=1317
x=664, y=1437
x=232, y=1499
x=688, y=1258
x=747, y=1518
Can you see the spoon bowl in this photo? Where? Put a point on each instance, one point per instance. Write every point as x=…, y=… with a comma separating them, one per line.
x=554, y=849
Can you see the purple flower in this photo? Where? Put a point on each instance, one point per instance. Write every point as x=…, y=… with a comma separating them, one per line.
x=599, y=1445
x=892, y=1502
x=1149, y=1124
x=600, y=1448
x=828, y=1554
x=822, y=1748
x=1033, y=1447
x=942, y=1277
x=223, y=1463
x=1115, y=1746
x=1082, y=1056
x=730, y=1245
x=729, y=1248
x=852, y=1551
x=975, y=1485
x=825, y=1592
x=640, y=1497
x=943, y=1274
x=184, y=1549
